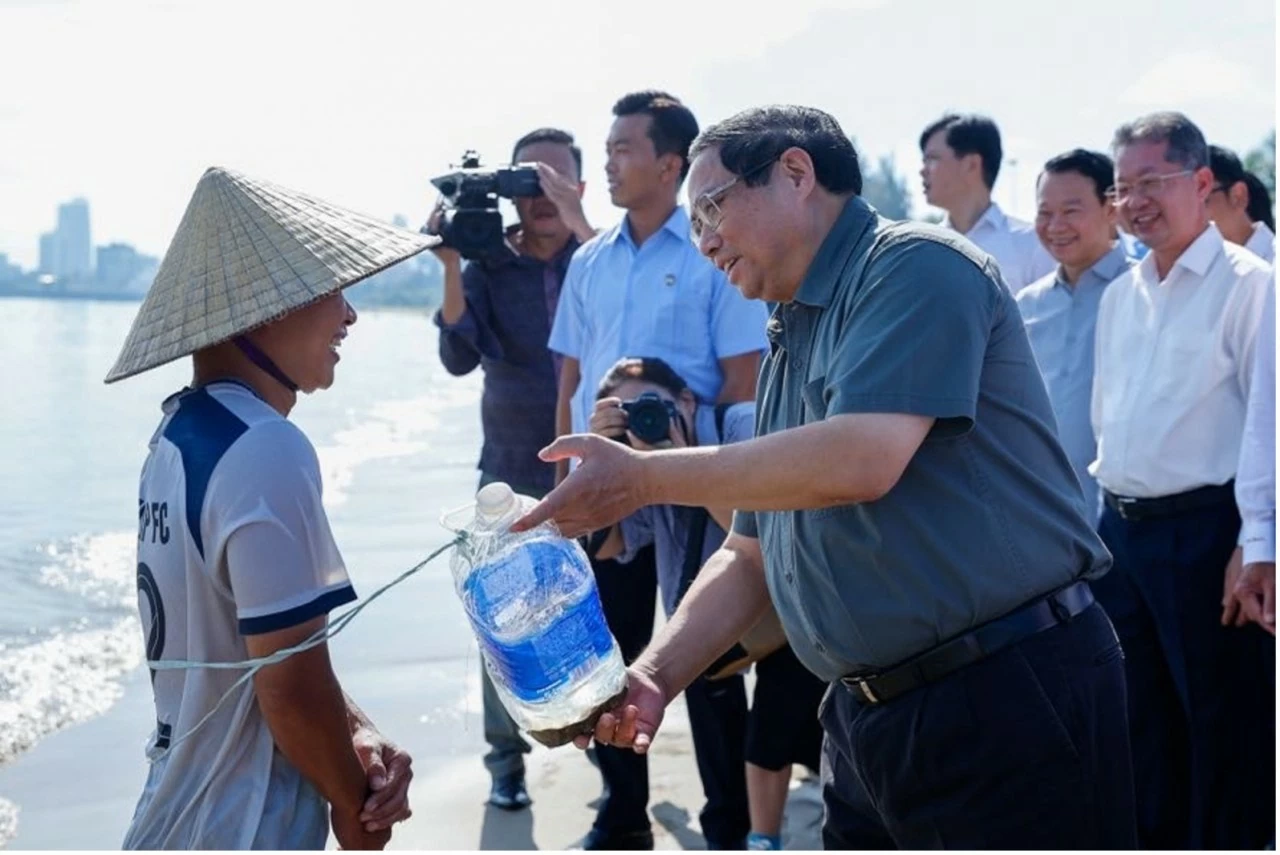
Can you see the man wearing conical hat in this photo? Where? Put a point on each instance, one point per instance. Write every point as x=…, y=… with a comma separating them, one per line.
x=236, y=559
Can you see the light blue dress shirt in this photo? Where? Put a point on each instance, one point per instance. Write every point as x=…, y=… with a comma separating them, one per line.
x=1060, y=323
x=661, y=299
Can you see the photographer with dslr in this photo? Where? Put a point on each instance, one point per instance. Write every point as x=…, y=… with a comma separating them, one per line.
x=646, y=404
x=497, y=314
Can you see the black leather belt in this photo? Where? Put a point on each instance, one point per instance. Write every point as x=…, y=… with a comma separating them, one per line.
x=1132, y=509
x=973, y=646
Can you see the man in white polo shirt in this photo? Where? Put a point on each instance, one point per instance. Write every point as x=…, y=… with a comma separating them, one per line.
x=962, y=157
x=236, y=559
x=1175, y=356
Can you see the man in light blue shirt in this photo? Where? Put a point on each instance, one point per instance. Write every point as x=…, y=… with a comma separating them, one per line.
x=1075, y=222
x=642, y=289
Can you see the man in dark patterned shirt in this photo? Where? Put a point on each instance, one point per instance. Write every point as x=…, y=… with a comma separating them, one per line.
x=497, y=314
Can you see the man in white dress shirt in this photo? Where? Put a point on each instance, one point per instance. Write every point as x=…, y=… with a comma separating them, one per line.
x=1175, y=356
x=1255, y=592
x=962, y=157
x=1230, y=205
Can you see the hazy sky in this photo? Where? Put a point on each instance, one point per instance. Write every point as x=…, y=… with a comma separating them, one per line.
x=127, y=101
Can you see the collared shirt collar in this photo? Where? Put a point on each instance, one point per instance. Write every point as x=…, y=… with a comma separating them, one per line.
x=1104, y=271
x=1262, y=243
x=824, y=271
x=677, y=224
x=993, y=216
x=1195, y=259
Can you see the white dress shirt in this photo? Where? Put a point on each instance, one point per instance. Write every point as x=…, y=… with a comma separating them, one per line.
x=1172, y=370
x=1263, y=243
x=1256, y=479
x=1013, y=244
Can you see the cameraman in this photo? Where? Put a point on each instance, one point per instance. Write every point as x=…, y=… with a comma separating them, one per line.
x=783, y=726
x=497, y=314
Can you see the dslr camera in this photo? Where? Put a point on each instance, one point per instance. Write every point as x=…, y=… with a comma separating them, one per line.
x=472, y=223
x=649, y=418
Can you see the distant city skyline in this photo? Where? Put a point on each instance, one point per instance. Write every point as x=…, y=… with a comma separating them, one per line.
x=361, y=105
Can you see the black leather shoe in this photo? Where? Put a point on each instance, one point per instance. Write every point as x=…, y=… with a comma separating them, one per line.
x=508, y=792
x=598, y=839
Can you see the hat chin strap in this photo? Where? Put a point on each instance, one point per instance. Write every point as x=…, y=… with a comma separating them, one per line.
x=260, y=359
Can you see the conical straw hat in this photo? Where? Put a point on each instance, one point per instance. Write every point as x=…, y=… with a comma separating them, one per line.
x=246, y=253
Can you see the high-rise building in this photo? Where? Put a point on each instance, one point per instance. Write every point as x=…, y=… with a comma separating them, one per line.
x=75, y=249
x=118, y=263
x=8, y=270
x=50, y=261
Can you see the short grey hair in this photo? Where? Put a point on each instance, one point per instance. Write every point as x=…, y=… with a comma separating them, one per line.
x=1187, y=146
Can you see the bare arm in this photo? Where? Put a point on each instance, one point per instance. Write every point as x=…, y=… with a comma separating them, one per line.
x=310, y=721
x=454, y=303
x=740, y=373
x=727, y=598
x=842, y=460
x=568, y=386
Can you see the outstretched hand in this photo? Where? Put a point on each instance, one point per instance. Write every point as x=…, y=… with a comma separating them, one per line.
x=606, y=486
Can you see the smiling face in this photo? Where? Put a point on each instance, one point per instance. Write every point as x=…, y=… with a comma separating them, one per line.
x=304, y=343
x=755, y=240
x=1072, y=223
x=1171, y=214
x=538, y=214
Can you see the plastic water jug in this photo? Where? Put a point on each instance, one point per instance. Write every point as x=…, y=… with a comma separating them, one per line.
x=532, y=602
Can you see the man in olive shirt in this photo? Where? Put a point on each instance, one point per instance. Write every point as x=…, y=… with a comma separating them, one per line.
x=907, y=508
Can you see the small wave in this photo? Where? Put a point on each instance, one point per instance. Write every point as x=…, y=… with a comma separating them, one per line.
x=8, y=821
x=98, y=567
x=391, y=429
x=67, y=678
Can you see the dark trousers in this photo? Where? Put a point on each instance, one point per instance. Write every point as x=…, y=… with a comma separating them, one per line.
x=718, y=720
x=717, y=717
x=628, y=595
x=1025, y=749
x=1201, y=706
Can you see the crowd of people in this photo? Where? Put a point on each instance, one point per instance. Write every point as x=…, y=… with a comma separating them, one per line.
x=989, y=506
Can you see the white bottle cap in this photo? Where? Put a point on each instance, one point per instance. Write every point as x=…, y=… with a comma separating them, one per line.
x=493, y=502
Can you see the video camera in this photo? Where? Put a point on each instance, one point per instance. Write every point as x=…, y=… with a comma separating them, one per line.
x=473, y=223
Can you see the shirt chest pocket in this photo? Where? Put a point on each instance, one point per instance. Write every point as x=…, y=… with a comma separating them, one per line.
x=1188, y=368
x=681, y=303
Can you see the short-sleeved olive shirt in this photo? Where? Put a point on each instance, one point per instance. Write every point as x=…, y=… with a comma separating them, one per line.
x=908, y=318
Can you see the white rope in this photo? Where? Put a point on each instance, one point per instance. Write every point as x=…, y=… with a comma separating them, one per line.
x=253, y=666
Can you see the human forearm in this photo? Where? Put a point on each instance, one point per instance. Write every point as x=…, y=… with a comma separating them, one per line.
x=310, y=721
x=454, y=303
x=740, y=375
x=842, y=460
x=567, y=386
x=727, y=598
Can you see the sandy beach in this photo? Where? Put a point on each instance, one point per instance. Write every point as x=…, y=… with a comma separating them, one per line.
x=91, y=808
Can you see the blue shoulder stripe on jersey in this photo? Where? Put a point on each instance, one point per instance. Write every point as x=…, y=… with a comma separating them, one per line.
x=321, y=605
x=202, y=430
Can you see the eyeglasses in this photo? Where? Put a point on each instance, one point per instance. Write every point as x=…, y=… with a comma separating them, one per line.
x=706, y=213
x=1148, y=186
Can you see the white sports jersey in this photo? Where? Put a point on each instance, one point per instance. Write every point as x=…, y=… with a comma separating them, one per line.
x=232, y=541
